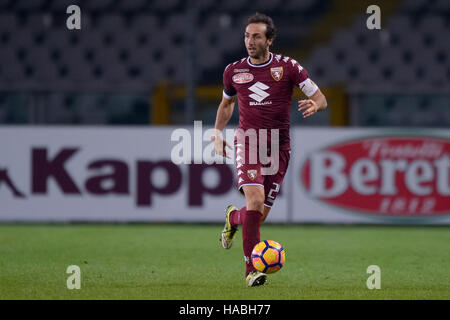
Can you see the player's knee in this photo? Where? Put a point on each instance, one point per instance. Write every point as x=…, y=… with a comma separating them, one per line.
x=255, y=203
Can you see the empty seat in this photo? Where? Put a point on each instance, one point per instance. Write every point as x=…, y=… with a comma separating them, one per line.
x=22, y=38
x=39, y=22
x=4, y=3
x=177, y=23
x=8, y=22
x=268, y=5
x=62, y=5
x=400, y=23
x=112, y=22
x=412, y=5
x=432, y=23
x=233, y=5
x=442, y=5
x=77, y=68
x=298, y=5
x=144, y=22
x=165, y=5
x=205, y=4
x=11, y=68
x=92, y=40
x=135, y=5
x=98, y=4
x=58, y=38
x=29, y=5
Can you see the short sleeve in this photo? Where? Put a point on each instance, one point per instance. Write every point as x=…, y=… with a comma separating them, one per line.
x=228, y=90
x=300, y=78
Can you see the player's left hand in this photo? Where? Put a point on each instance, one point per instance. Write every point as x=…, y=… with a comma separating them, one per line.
x=308, y=106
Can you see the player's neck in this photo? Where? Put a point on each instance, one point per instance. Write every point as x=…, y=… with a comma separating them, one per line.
x=262, y=59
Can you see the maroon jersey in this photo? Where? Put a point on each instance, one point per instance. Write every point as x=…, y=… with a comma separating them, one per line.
x=264, y=92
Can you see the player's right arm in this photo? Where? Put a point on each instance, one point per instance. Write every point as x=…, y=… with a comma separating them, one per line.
x=224, y=113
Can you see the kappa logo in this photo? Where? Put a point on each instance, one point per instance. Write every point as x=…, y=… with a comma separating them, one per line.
x=6, y=179
x=259, y=93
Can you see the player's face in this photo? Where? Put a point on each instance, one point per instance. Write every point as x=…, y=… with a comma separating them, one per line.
x=256, y=43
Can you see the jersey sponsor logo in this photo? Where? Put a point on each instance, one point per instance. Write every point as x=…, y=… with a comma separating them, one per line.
x=259, y=93
x=241, y=70
x=241, y=78
x=252, y=174
x=253, y=103
x=277, y=73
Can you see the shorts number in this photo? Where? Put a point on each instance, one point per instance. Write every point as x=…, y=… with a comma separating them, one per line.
x=276, y=189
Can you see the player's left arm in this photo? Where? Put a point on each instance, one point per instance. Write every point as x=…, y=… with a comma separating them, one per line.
x=315, y=103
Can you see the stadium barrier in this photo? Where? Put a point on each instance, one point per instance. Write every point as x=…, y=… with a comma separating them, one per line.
x=126, y=174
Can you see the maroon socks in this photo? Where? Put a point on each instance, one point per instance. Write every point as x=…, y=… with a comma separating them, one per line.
x=236, y=216
x=251, y=220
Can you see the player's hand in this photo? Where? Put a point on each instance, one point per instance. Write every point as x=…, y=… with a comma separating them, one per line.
x=220, y=145
x=308, y=106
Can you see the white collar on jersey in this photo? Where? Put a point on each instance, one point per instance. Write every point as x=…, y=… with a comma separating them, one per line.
x=260, y=65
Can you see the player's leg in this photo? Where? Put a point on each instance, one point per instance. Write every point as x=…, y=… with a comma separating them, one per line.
x=272, y=184
x=265, y=214
x=232, y=220
x=248, y=175
x=254, y=196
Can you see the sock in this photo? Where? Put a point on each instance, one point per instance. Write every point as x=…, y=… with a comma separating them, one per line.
x=250, y=236
x=236, y=216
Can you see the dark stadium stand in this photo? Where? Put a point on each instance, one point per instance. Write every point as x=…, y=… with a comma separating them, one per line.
x=128, y=47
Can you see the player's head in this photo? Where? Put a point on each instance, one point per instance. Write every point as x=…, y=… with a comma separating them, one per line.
x=259, y=35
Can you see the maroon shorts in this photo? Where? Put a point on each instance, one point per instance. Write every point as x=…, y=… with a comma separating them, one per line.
x=270, y=176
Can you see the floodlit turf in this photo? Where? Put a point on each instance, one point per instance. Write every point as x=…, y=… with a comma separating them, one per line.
x=187, y=262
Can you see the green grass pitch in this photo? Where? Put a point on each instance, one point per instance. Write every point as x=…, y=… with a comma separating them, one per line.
x=159, y=261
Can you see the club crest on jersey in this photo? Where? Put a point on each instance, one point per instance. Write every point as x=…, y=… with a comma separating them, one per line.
x=277, y=73
x=252, y=174
x=240, y=78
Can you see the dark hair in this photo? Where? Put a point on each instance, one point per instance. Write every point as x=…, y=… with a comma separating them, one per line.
x=262, y=18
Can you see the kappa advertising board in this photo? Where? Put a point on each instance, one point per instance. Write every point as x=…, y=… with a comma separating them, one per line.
x=128, y=174
x=110, y=174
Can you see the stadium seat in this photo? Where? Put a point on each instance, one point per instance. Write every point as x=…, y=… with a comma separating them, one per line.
x=112, y=22
x=8, y=22
x=97, y=4
x=412, y=5
x=431, y=23
x=29, y=5
x=205, y=4
x=144, y=22
x=299, y=5
x=233, y=5
x=442, y=5
x=39, y=22
x=22, y=38
x=135, y=5
x=164, y=5
x=11, y=69
x=4, y=4
x=268, y=5
x=62, y=5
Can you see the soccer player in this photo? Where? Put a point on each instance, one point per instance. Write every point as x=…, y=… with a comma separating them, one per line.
x=263, y=83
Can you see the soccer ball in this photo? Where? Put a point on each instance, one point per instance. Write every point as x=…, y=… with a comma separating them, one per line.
x=268, y=256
